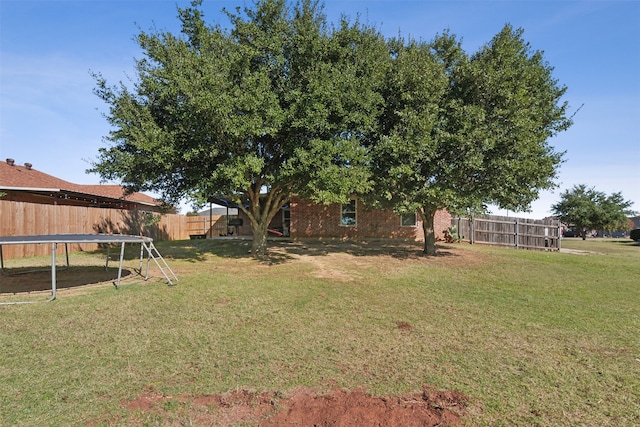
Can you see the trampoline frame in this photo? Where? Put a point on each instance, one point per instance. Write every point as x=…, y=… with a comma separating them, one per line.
x=55, y=239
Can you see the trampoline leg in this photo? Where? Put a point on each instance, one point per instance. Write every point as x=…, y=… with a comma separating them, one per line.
x=141, y=256
x=120, y=268
x=146, y=276
x=54, y=246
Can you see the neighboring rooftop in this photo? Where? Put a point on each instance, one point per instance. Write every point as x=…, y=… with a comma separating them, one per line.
x=24, y=183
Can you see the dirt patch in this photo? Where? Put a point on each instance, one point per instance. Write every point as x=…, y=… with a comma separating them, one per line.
x=341, y=261
x=304, y=407
x=336, y=267
x=404, y=326
x=575, y=251
x=356, y=408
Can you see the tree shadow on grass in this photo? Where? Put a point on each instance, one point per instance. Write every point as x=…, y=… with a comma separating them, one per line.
x=284, y=250
x=626, y=242
x=199, y=249
x=185, y=250
x=394, y=248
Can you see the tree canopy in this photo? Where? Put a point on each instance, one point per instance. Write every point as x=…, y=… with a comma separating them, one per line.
x=461, y=131
x=283, y=104
x=276, y=106
x=587, y=209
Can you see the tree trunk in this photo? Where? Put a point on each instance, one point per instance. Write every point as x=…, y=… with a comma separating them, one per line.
x=263, y=207
x=259, y=243
x=428, y=214
x=584, y=234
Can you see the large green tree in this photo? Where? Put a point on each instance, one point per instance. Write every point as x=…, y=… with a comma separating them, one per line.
x=276, y=105
x=460, y=132
x=587, y=209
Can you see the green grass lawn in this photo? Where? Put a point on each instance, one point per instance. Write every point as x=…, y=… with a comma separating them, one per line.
x=532, y=338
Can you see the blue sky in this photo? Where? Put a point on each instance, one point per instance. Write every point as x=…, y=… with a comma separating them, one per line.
x=50, y=117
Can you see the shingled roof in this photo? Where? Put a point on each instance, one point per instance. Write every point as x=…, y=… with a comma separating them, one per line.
x=26, y=179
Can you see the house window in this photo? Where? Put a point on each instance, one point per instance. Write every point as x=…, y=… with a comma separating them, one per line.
x=408, y=219
x=349, y=214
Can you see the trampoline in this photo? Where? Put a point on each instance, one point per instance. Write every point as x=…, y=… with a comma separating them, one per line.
x=146, y=247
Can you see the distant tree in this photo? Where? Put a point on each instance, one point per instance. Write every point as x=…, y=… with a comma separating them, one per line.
x=588, y=209
x=275, y=106
x=460, y=132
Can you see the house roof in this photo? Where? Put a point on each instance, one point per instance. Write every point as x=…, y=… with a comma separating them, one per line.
x=26, y=178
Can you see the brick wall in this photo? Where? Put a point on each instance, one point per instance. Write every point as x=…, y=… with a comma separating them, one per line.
x=441, y=222
x=313, y=220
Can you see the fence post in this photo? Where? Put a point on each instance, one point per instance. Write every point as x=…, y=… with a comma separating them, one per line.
x=517, y=238
x=211, y=220
x=559, y=236
x=472, y=230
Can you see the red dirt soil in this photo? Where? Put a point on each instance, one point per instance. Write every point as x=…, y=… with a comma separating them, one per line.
x=304, y=407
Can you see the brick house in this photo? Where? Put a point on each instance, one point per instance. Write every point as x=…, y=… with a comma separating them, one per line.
x=302, y=218
x=26, y=184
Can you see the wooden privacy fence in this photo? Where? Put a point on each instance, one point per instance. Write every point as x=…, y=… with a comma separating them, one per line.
x=519, y=233
x=21, y=218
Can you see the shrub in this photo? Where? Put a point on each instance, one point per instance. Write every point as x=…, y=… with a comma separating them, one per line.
x=635, y=235
x=451, y=235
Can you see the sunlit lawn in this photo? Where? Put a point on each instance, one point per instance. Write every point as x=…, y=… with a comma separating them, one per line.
x=533, y=338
